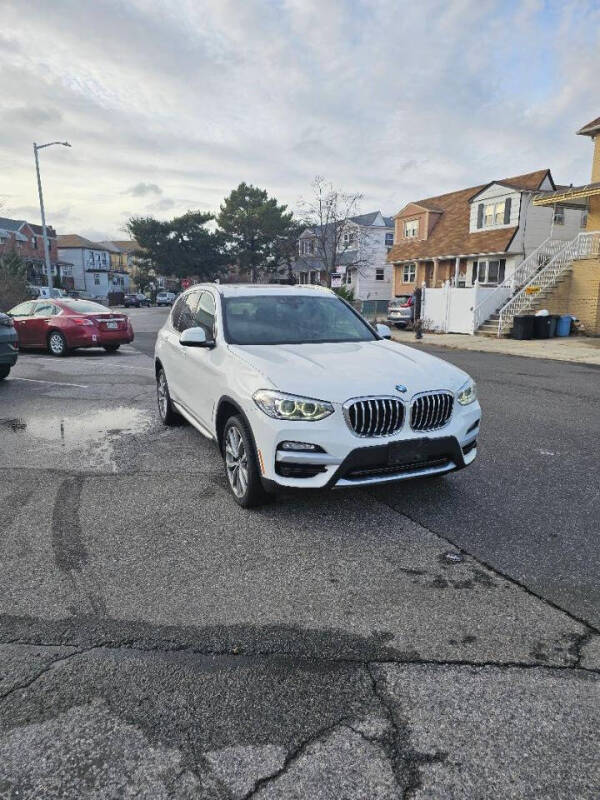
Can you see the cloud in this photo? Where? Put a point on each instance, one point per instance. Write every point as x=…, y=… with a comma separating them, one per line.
x=189, y=97
x=141, y=189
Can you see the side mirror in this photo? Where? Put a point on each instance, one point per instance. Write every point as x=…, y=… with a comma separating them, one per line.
x=383, y=331
x=195, y=337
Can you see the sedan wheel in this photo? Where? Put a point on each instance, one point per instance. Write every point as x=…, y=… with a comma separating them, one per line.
x=236, y=461
x=57, y=344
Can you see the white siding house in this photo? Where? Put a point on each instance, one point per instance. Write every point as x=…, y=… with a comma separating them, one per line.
x=92, y=271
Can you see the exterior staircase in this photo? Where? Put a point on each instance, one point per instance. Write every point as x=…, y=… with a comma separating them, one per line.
x=533, y=280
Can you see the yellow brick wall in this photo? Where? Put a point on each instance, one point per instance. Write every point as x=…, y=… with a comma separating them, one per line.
x=579, y=294
x=593, y=222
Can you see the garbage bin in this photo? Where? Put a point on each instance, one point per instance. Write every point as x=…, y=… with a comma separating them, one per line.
x=545, y=327
x=563, y=326
x=523, y=327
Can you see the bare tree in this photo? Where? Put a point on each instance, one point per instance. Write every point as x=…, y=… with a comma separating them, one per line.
x=332, y=239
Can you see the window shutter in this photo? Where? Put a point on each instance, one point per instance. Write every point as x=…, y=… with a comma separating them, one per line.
x=480, y=215
x=507, y=204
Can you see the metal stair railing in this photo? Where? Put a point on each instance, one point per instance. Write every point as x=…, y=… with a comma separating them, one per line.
x=585, y=245
x=521, y=275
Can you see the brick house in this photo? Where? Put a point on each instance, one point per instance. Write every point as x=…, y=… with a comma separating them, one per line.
x=25, y=239
x=481, y=233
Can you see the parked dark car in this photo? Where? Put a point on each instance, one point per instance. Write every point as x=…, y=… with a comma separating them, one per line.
x=136, y=300
x=8, y=345
x=62, y=325
x=401, y=311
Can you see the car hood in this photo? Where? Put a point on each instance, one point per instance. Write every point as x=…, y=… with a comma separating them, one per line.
x=337, y=372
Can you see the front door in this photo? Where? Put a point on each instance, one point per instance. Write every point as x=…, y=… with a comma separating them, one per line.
x=37, y=326
x=202, y=378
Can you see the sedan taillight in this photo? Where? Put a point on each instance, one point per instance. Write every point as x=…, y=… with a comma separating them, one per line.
x=82, y=321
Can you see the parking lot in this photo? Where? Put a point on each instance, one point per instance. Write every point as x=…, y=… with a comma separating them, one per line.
x=432, y=639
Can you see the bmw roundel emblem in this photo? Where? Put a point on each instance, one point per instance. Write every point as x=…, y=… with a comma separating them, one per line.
x=400, y=387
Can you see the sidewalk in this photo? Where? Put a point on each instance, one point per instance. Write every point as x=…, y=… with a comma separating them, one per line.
x=580, y=349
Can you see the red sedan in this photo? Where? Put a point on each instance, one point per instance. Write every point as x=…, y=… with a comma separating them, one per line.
x=62, y=324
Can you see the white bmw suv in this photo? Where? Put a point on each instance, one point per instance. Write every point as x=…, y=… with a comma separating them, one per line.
x=297, y=390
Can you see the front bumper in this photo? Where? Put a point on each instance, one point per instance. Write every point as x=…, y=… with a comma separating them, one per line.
x=350, y=460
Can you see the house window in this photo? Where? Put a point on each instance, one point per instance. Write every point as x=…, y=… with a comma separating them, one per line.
x=307, y=247
x=489, y=272
x=34, y=242
x=303, y=277
x=379, y=274
x=409, y=273
x=389, y=239
x=559, y=215
x=583, y=222
x=494, y=214
x=411, y=229
x=348, y=277
x=96, y=279
x=349, y=239
x=315, y=276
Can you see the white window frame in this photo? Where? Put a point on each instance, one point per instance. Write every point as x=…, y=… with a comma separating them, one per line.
x=386, y=239
x=409, y=272
x=558, y=215
x=379, y=273
x=411, y=229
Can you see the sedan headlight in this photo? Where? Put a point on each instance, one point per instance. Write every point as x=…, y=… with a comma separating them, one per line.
x=467, y=394
x=289, y=406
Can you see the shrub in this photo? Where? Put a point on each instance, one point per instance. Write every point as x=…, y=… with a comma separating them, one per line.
x=13, y=280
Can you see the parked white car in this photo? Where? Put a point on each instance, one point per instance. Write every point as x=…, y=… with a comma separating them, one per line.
x=165, y=298
x=298, y=390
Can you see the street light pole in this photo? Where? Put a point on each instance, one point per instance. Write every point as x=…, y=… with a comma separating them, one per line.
x=37, y=147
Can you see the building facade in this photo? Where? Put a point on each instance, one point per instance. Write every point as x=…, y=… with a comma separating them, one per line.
x=479, y=234
x=92, y=270
x=26, y=240
x=360, y=259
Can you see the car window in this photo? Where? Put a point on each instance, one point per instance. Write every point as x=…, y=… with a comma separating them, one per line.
x=292, y=319
x=45, y=310
x=184, y=311
x=22, y=310
x=83, y=306
x=205, y=314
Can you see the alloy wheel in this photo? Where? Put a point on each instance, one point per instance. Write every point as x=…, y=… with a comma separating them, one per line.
x=57, y=344
x=236, y=461
x=162, y=395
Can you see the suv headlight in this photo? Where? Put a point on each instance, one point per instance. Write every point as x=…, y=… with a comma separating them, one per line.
x=289, y=406
x=467, y=393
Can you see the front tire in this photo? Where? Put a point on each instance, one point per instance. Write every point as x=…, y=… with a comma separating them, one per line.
x=241, y=465
x=57, y=344
x=166, y=411
x=111, y=348
x=4, y=371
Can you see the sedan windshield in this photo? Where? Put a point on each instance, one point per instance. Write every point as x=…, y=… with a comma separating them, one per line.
x=292, y=319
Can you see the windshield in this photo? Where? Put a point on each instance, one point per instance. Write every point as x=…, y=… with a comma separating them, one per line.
x=292, y=319
x=84, y=306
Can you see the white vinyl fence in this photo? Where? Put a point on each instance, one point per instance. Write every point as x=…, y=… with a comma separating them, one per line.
x=451, y=309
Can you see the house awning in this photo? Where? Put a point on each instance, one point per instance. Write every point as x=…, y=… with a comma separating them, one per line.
x=573, y=197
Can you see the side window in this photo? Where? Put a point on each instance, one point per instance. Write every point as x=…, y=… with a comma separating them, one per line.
x=186, y=308
x=44, y=310
x=22, y=310
x=205, y=314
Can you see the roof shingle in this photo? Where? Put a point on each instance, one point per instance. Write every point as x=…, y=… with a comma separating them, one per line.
x=450, y=235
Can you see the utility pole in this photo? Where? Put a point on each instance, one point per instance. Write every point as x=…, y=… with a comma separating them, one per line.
x=37, y=147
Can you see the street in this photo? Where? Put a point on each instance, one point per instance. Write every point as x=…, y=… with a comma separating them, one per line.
x=429, y=639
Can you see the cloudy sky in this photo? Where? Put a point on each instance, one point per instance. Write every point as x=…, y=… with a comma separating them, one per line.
x=169, y=104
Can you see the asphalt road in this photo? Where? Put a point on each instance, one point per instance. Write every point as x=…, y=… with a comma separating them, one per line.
x=530, y=505
x=157, y=641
